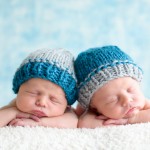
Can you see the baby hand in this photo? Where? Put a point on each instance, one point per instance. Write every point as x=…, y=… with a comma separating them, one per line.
x=23, y=122
x=122, y=121
x=21, y=115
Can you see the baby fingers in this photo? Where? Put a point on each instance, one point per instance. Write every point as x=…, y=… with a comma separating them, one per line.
x=28, y=116
x=115, y=122
x=35, y=118
x=16, y=122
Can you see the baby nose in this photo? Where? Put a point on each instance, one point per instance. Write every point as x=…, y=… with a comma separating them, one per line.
x=41, y=102
x=126, y=100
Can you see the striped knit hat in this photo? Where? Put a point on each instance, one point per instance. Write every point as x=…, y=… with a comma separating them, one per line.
x=55, y=65
x=97, y=66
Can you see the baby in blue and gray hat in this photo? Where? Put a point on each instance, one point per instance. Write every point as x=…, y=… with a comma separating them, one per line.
x=45, y=84
x=109, y=88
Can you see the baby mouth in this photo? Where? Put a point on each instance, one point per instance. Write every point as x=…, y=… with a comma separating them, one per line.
x=130, y=111
x=39, y=113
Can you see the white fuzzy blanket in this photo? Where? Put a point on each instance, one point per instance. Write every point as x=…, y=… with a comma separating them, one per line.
x=129, y=137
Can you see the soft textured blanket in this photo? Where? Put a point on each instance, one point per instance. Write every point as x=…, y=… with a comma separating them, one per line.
x=129, y=137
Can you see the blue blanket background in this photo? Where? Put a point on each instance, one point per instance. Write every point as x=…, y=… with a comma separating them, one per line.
x=72, y=24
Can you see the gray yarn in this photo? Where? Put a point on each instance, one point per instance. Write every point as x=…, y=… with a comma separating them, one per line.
x=103, y=77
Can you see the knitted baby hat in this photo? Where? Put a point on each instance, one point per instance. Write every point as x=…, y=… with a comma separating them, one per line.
x=97, y=66
x=55, y=65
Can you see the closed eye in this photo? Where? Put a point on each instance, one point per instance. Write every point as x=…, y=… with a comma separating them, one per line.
x=32, y=93
x=54, y=100
x=112, y=100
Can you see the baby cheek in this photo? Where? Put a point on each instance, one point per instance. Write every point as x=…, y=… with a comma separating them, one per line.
x=23, y=105
x=19, y=105
x=114, y=111
x=139, y=99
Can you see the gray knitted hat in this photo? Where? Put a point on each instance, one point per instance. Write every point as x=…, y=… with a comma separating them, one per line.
x=97, y=66
x=55, y=65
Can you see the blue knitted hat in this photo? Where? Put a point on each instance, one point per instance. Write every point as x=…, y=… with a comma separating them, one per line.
x=56, y=66
x=96, y=66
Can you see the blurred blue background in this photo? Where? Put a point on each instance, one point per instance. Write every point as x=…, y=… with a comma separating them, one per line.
x=72, y=24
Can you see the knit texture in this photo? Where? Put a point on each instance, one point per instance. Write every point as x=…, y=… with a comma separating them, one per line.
x=96, y=66
x=53, y=65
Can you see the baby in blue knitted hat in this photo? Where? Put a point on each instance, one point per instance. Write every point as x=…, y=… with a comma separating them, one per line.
x=109, y=90
x=45, y=84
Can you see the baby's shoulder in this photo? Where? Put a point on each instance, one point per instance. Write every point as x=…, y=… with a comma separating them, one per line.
x=11, y=104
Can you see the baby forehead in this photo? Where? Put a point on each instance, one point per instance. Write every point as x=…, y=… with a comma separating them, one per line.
x=38, y=82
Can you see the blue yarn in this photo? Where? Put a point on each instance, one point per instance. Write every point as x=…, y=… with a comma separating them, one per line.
x=93, y=58
x=49, y=72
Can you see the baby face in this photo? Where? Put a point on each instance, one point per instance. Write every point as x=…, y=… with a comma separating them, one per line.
x=119, y=98
x=41, y=98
